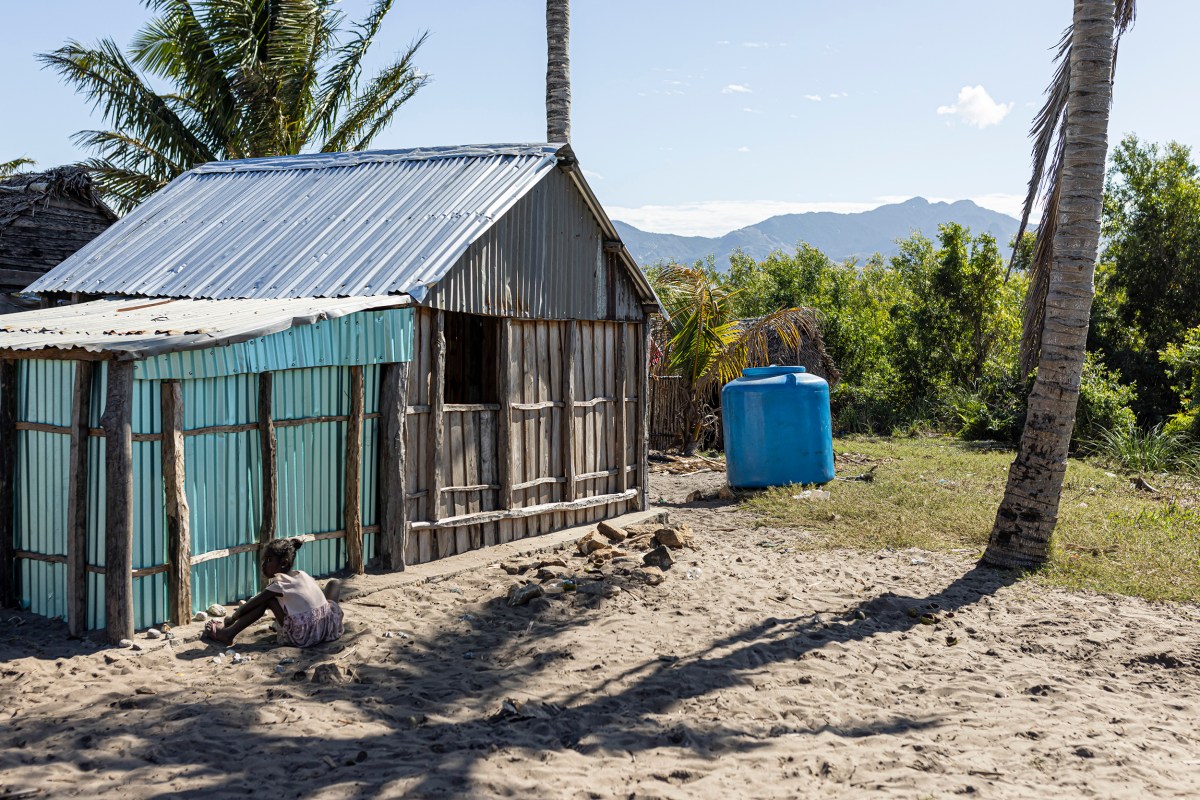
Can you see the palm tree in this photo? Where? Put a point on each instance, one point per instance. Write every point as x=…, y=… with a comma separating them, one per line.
x=247, y=78
x=558, y=71
x=8, y=168
x=1073, y=126
x=706, y=345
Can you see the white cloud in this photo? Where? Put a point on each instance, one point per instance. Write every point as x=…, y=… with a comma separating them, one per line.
x=755, y=44
x=976, y=107
x=737, y=88
x=751, y=110
x=743, y=149
x=723, y=41
x=816, y=98
x=593, y=176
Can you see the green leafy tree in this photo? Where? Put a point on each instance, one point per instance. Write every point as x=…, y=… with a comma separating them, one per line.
x=1183, y=366
x=1149, y=280
x=246, y=78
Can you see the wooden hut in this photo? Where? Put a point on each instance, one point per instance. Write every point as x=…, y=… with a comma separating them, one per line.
x=398, y=355
x=44, y=218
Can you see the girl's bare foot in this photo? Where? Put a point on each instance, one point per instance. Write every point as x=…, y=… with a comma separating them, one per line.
x=215, y=630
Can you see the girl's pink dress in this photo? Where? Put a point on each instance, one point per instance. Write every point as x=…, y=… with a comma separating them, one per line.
x=311, y=617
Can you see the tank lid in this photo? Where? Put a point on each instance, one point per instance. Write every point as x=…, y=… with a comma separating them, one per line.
x=767, y=372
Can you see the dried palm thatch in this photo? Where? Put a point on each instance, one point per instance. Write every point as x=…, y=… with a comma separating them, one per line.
x=44, y=218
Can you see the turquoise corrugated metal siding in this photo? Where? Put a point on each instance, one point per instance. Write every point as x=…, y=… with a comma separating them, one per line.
x=223, y=484
x=40, y=487
x=367, y=337
x=311, y=480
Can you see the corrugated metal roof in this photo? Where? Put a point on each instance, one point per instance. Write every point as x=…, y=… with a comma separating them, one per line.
x=131, y=328
x=325, y=225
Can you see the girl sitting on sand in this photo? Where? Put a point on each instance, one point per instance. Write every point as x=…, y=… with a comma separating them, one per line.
x=305, y=614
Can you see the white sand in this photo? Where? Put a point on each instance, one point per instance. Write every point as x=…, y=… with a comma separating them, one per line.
x=755, y=679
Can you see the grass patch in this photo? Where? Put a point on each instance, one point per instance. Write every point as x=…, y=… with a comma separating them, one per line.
x=941, y=495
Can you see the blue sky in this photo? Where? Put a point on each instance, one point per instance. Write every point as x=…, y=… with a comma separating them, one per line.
x=702, y=117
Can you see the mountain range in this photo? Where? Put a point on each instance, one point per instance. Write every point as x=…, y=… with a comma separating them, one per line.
x=839, y=236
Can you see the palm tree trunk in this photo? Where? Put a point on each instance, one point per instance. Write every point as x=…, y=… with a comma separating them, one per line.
x=558, y=71
x=1029, y=510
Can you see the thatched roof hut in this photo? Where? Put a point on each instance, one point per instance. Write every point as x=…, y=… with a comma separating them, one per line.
x=44, y=218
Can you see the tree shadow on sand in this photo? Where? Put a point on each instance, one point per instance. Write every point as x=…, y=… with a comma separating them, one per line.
x=439, y=708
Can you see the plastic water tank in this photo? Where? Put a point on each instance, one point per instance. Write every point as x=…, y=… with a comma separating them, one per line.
x=777, y=428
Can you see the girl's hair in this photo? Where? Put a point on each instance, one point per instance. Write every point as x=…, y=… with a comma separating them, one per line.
x=284, y=550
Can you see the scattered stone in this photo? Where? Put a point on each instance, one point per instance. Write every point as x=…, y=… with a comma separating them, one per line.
x=137, y=647
x=153, y=633
x=651, y=576
x=238, y=658
x=726, y=493
x=603, y=554
x=544, y=574
x=519, y=595
x=860, y=614
x=109, y=658
x=611, y=532
x=591, y=542
x=600, y=589
x=200, y=616
x=693, y=574
x=658, y=557
x=675, y=537
x=331, y=673
x=555, y=561
x=513, y=569
x=218, y=660
x=217, y=610
x=125, y=643
x=1085, y=752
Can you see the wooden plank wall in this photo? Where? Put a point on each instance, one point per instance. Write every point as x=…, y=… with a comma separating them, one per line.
x=470, y=475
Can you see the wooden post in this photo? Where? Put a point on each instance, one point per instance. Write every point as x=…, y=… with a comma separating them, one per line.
x=268, y=464
x=504, y=417
x=77, y=496
x=622, y=454
x=353, y=506
x=437, y=422
x=643, y=416
x=568, y=392
x=8, y=480
x=392, y=482
x=179, y=525
x=118, y=529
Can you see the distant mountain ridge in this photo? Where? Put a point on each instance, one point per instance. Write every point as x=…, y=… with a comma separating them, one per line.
x=839, y=236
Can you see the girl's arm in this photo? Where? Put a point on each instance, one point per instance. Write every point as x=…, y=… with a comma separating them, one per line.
x=259, y=601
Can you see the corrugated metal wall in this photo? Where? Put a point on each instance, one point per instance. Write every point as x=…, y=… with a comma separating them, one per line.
x=544, y=259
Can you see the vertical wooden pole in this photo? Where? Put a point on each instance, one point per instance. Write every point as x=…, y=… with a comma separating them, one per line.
x=504, y=418
x=77, y=496
x=179, y=525
x=8, y=480
x=568, y=392
x=269, y=464
x=392, y=482
x=437, y=425
x=622, y=450
x=353, y=505
x=643, y=416
x=118, y=495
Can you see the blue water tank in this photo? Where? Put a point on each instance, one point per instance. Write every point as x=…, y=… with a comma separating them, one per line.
x=777, y=428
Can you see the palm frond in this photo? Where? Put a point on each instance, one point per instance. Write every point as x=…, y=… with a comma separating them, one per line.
x=373, y=107
x=751, y=344
x=8, y=168
x=1048, y=133
x=122, y=188
x=341, y=77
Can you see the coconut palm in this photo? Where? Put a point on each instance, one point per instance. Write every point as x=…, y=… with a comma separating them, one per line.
x=8, y=168
x=558, y=71
x=247, y=78
x=706, y=345
x=1070, y=144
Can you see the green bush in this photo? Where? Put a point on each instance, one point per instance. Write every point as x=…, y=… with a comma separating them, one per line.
x=1105, y=404
x=1146, y=450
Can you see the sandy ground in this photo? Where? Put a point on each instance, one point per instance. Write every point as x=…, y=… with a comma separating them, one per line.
x=768, y=673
